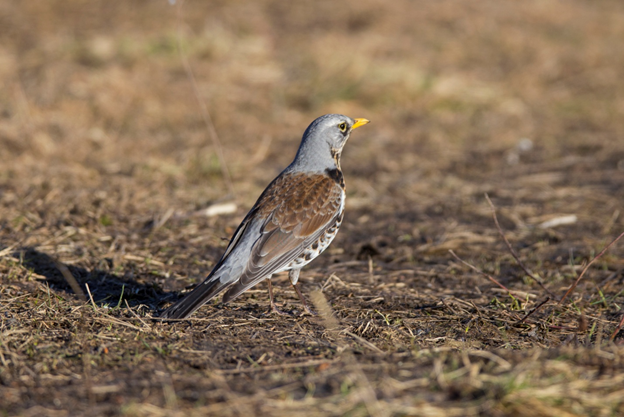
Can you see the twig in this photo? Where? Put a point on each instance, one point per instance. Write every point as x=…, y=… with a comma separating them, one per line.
x=135, y=314
x=534, y=310
x=371, y=271
x=617, y=329
x=369, y=397
x=502, y=363
x=364, y=342
x=474, y=268
x=513, y=252
x=86, y=371
x=4, y=252
x=91, y=297
x=71, y=280
x=448, y=307
x=477, y=310
x=202, y=105
x=160, y=222
x=113, y=320
x=573, y=286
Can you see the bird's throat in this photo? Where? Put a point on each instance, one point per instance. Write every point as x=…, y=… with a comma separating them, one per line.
x=336, y=153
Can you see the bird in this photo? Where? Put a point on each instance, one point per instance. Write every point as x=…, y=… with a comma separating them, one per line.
x=295, y=219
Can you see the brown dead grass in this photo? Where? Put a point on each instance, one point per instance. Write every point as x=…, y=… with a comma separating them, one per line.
x=108, y=169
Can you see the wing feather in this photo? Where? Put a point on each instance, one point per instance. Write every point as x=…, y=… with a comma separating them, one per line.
x=297, y=211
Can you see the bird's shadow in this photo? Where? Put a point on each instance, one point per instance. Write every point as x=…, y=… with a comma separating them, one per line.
x=106, y=288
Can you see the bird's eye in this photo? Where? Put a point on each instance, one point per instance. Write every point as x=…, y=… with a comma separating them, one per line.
x=342, y=126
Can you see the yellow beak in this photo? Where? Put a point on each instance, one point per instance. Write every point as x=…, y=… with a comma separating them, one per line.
x=359, y=122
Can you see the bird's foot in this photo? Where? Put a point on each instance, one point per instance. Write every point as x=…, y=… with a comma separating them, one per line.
x=303, y=302
x=276, y=310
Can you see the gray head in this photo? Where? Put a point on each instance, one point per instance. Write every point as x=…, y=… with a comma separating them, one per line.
x=322, y=142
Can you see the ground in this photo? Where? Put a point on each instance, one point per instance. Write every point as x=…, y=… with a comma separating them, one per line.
x=134, y=137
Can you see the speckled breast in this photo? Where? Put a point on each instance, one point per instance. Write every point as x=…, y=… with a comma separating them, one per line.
x=319, y=246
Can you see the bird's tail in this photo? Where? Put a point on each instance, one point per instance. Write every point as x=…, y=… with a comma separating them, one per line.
x=200, y=295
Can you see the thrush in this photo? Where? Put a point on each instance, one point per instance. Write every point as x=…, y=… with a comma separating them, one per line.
x=294, y=220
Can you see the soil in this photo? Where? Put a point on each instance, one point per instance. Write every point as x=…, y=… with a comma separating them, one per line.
x=134, y=137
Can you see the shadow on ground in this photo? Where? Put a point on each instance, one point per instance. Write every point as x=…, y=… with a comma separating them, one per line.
x=106, y=288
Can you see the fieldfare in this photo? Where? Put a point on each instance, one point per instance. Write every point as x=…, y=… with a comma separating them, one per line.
x=294, y=220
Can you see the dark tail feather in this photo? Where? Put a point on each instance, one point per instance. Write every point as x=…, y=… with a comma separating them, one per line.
x=203, y=293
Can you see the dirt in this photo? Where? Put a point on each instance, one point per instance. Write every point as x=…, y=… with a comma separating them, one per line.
x=125, y=127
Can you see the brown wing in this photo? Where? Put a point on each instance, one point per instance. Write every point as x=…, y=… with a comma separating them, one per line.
x=297, y=208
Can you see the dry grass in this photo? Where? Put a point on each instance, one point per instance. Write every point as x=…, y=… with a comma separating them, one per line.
x=109, y=169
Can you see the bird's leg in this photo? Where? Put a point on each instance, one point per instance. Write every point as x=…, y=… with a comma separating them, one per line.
x=303, y=301
x=274, y=308
x=293, y=274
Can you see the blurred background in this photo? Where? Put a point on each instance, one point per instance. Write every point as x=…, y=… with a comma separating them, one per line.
x=93, y=90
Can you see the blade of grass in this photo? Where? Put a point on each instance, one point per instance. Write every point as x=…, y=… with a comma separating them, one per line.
x=602, y=252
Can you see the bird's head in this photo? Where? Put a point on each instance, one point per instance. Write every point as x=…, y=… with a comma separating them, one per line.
x=324, y=139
